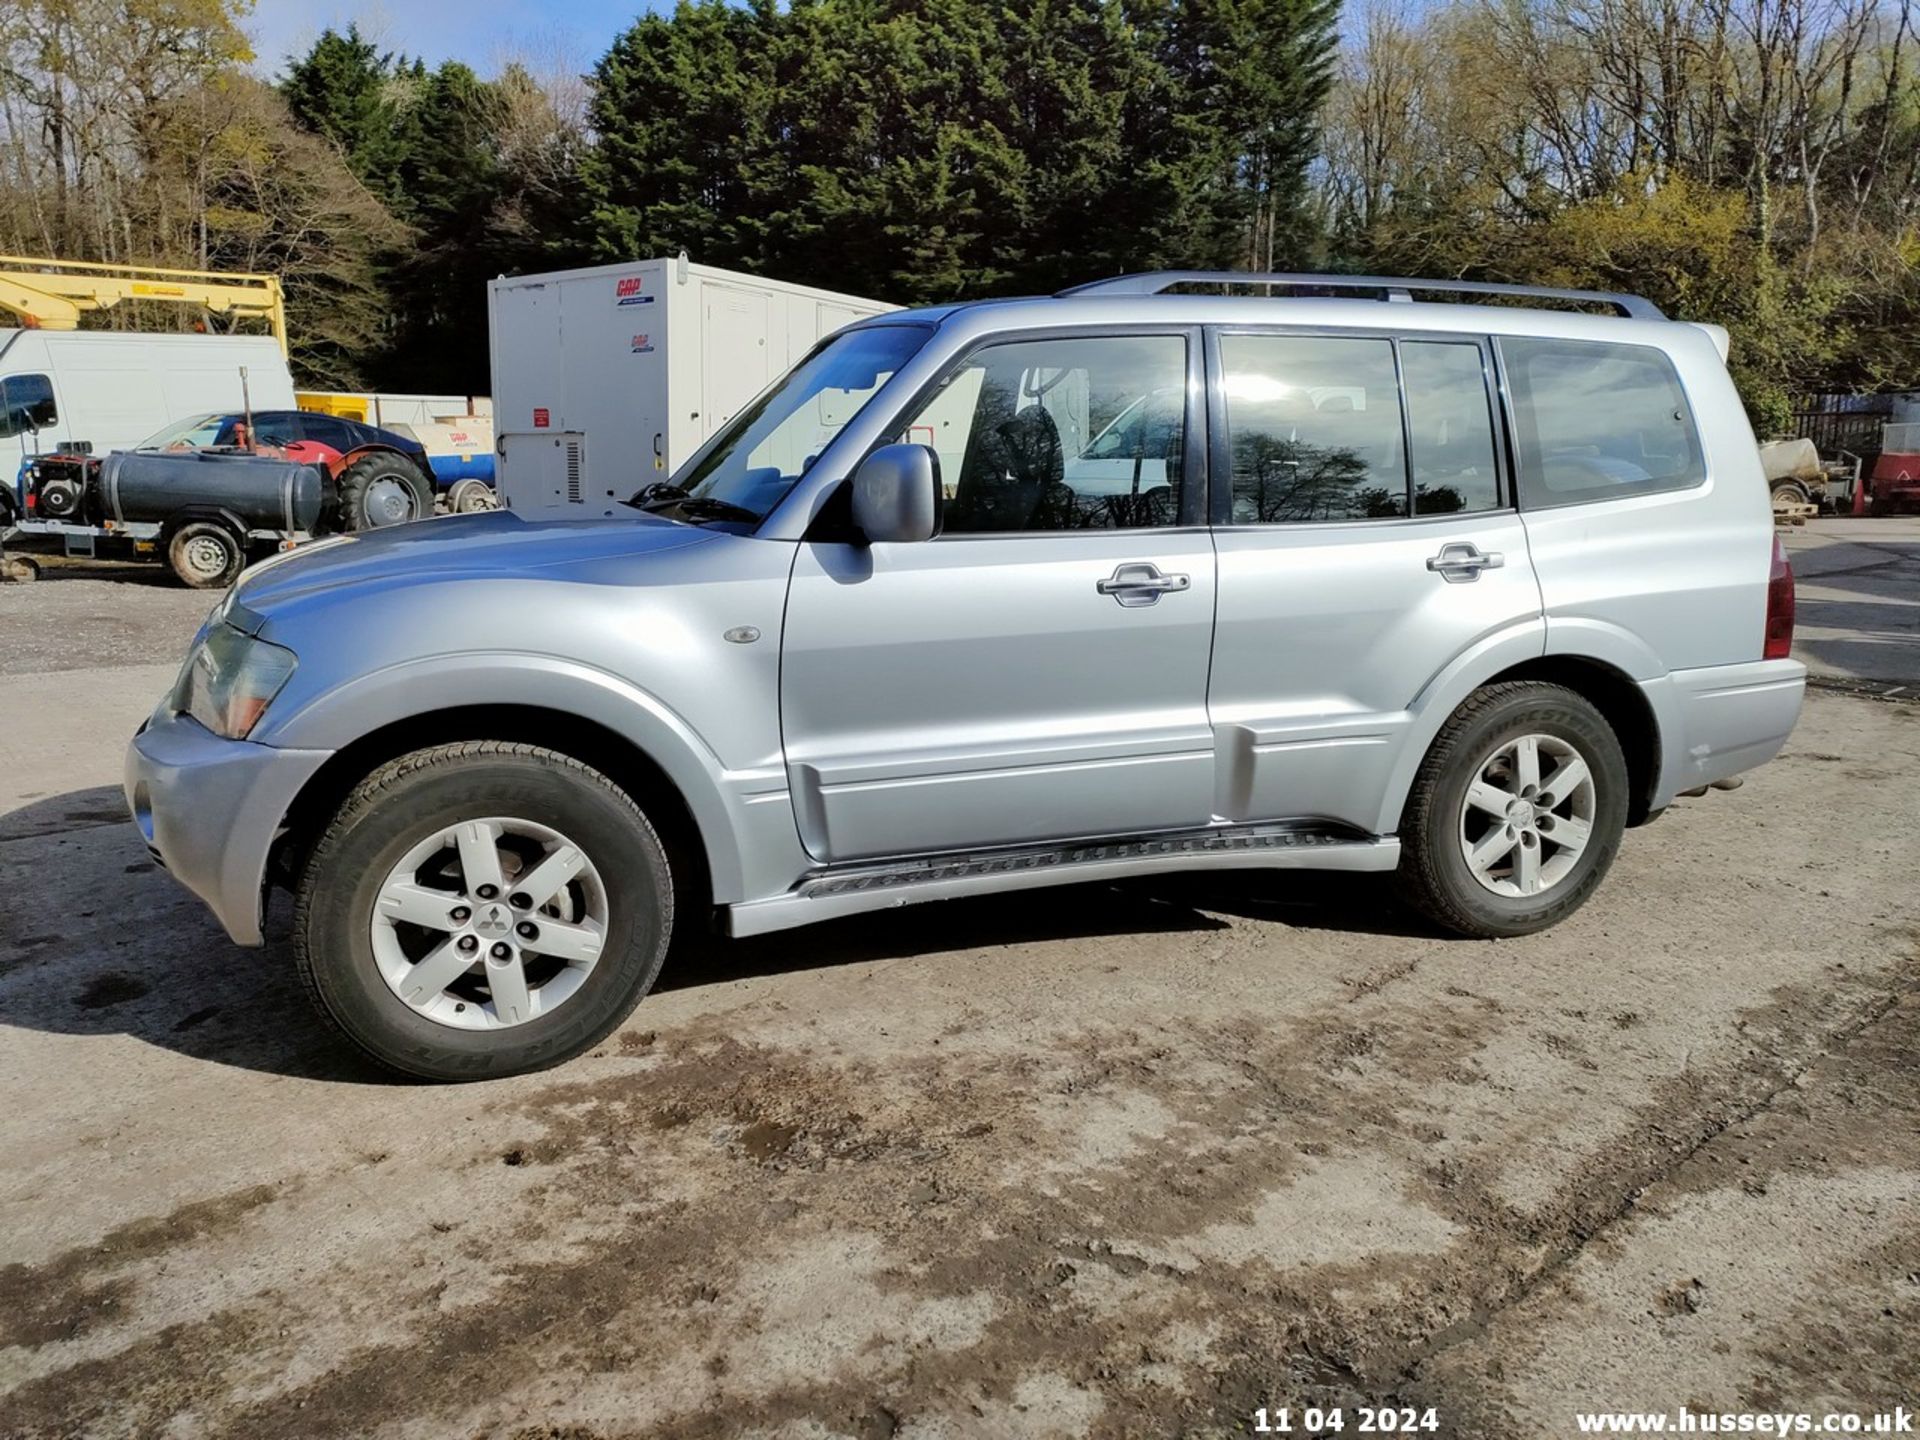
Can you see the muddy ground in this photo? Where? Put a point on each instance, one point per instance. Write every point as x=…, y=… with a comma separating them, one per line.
x=1116, y=1160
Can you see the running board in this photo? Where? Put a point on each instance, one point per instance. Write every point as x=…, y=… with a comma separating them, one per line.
x=850, y=889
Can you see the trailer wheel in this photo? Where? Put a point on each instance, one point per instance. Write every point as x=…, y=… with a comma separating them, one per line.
x=381, y=489
x=1789, y=492
x=470, y=495
x=205, y=555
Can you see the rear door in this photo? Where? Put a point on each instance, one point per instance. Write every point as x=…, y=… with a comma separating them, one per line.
x=1366, y=540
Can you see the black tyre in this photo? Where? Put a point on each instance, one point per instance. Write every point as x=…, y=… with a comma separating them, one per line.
x=205, y=555
x=382, y=488
x=471, y=496
x=482, y=909
x=1516, y=813
x=1789, y=492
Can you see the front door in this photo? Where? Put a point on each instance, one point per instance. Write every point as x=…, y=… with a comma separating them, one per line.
x=1037, y=672
x=1351, y=572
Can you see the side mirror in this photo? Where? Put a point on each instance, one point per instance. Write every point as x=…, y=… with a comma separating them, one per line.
x=897, y=495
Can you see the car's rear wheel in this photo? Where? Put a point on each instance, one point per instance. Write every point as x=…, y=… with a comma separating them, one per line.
x=1516, y=812
x=482, y=909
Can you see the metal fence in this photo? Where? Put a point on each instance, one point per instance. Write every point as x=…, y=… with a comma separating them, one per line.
x=1843, y=422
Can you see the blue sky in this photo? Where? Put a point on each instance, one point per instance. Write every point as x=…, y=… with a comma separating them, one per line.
x=479, y=32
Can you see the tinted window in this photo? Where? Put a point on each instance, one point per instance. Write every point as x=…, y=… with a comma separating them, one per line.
x=1071, y=434
x=328, y=431
x=1595, y=421
x=1314, y=425
x=1451, y=425
x=28, y=401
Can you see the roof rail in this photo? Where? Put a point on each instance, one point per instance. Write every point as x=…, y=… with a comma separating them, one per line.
x=1634, y=307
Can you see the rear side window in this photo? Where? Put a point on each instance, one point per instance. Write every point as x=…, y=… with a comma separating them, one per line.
x=1450, y=423
x=1594, y=421
x=1314, y=424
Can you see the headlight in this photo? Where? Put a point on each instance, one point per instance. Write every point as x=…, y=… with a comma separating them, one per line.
x=230, y=679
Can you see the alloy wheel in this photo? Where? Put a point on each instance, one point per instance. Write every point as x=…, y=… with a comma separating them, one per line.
x=1528, y=815
x=489, y=923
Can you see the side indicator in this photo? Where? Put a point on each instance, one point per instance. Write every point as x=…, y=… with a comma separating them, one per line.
x=742, y=635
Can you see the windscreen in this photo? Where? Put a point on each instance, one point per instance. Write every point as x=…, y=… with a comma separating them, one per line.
x=195, y=433
x=767, y=447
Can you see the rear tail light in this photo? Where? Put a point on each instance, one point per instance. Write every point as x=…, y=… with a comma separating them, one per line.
x=1779, y=606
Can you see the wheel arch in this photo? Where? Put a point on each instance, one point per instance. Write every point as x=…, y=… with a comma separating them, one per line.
x=613, y=754
x=1621, y=701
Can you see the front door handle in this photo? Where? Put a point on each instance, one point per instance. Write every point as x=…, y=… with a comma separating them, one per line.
x=1462, y=560
x=1141, y=584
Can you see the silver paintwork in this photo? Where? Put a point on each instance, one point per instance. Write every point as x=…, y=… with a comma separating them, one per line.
x=979, y=691
x=520, y=892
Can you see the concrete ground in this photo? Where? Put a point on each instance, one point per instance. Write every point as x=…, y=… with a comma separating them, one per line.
x=1858, y=585
x=1114, y=1160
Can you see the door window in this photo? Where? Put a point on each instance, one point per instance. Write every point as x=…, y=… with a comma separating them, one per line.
x=1450, y=423
x=1595, y=421
x=26, y=405
x=1314, y=429
x=325, y=430
x=1081, y=433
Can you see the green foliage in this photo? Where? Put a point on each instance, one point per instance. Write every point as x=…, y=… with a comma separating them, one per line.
x=956, y=147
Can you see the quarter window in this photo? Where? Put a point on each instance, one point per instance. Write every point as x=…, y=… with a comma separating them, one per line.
x=1314, y=425
x=1595, y=421
x=1451, y=426
x=1083, y=433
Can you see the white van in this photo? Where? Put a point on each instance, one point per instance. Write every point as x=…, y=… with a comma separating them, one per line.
x=110, y=389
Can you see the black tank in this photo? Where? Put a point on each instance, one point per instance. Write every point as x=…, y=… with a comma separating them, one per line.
x=262, y=493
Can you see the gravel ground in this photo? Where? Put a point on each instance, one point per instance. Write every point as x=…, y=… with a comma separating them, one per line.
x=1113, y=1160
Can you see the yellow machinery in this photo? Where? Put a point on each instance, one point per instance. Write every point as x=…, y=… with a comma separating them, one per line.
x=53, y=294
x=326, y=402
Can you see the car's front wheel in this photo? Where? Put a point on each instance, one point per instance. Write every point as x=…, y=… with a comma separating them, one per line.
x=1516, y=812
x=482, y=909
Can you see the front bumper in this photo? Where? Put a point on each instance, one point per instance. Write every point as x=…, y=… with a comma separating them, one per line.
x=209, y=810
x=1722, y=719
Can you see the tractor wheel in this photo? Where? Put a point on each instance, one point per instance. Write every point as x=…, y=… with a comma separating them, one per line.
x=381, y=489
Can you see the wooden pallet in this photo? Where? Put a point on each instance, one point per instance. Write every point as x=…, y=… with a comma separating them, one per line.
x=1798, y=514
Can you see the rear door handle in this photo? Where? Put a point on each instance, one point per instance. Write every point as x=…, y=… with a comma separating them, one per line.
x=1141, y=583
x=1462, y=560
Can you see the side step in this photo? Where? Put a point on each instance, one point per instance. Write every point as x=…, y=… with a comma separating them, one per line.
x=849, y=889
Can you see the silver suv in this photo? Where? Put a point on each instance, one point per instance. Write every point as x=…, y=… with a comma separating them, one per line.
x=990, y=596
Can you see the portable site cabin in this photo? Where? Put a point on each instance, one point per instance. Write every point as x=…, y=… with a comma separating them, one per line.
x=607, y=378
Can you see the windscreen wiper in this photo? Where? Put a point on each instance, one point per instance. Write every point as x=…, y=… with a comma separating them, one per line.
x=657, y=492
x=707, y=508
x=663, y=496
